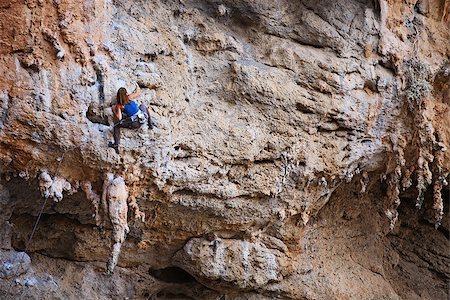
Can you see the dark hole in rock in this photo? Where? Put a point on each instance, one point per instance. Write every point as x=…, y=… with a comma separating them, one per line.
x=172, y=275
x=95, y=114
x=170, y=295
x=303, y=108
x=149, y=57
x=371, y=85
x=445, y=194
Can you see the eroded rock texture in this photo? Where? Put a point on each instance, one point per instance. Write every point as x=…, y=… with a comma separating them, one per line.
x=301, y=149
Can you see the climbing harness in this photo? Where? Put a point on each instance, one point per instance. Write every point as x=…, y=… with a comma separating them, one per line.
x=138, y=116
x=120, y=122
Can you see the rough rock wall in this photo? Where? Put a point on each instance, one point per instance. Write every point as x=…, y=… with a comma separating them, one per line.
x=301, y=148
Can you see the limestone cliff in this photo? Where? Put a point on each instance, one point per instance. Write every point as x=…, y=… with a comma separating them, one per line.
x=301, y=149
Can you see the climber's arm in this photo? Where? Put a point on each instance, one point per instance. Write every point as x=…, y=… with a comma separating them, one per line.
x=135, y=94
x=117, y=110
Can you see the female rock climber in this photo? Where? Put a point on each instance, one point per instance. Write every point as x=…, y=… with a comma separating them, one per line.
x=134, y=116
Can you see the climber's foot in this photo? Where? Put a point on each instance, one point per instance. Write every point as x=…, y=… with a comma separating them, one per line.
x=114, y=146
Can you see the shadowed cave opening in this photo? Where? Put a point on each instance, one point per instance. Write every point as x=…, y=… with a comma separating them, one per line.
x=421, y=248
x=172, y=275
x=172, y=295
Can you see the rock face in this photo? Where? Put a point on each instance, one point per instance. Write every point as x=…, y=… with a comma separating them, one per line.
x=301, y=149
x=249, y=265
x=14, y=263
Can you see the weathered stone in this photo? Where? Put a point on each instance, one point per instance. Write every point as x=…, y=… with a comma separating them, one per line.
x=294, y=140
x=239, y=263
x=13, y=264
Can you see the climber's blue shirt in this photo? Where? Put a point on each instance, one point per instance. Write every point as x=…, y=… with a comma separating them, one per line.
x=130, y=108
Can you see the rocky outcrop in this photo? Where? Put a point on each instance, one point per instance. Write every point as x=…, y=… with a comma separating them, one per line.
x=114, y=203
x=14, y=264
x=301, y=149
x=246, y=264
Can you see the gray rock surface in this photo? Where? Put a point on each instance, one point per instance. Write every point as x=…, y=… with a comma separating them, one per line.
x=301, y=150
x=13, y=264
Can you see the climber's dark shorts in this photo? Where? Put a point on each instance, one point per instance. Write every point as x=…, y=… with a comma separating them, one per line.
x=128, y=123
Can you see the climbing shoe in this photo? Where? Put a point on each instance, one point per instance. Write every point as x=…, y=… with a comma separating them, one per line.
x=114, y=146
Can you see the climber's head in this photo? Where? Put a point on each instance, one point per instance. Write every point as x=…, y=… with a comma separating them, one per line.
x=122, y=97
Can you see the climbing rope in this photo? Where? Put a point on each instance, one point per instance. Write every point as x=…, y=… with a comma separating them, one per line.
x=41, y=211
x=43, y=206
x=36, y=223
x=121, y=121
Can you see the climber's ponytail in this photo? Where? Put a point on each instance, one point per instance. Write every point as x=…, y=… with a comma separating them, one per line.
x=122, y=97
